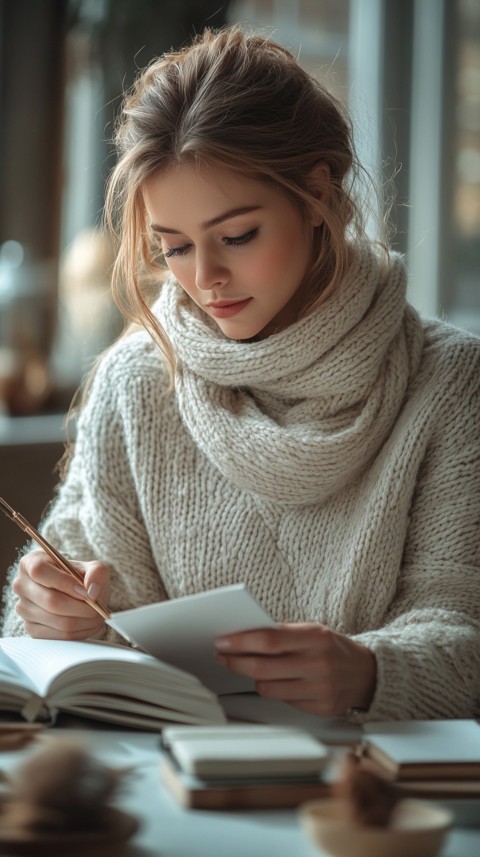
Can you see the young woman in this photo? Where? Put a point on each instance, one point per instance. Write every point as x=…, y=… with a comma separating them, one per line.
x=286, y=420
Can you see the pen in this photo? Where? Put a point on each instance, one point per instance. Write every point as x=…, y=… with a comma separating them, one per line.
x=59, y=560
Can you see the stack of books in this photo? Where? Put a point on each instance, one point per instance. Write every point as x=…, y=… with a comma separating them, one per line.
x=426, y=758
x=243, y=765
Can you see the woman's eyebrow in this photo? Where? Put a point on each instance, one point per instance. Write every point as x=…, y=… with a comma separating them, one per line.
x=233, y=212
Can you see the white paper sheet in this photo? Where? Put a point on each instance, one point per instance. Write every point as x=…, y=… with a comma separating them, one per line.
x=182, y=631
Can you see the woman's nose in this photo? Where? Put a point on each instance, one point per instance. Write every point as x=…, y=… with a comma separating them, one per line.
x=210, y=271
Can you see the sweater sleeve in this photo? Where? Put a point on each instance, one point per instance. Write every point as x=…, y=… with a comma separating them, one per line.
x=428, y=651
x=96, y=514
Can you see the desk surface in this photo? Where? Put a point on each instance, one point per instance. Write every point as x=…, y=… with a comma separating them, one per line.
x=167, y=830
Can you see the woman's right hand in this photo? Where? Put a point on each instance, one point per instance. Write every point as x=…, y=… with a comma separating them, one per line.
x=51, y=603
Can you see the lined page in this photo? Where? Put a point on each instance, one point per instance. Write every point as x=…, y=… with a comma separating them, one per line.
x=42, y=661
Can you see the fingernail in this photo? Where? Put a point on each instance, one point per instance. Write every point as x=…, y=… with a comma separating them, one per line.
x=223, y=644
x=80, y=591
x=93, y=590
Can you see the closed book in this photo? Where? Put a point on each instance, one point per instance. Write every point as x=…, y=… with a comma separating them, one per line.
x=245, y=751
x=192, y=792
x=441, y=789
x=414, y=750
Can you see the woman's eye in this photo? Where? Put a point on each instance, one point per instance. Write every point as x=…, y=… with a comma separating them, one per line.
x=176, y=251
x=236, y=241
x=239, y=240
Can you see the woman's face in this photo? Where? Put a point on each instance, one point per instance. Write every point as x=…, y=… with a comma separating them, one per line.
x=240, y=248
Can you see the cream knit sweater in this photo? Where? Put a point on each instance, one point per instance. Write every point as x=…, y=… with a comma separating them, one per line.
x=333, y=467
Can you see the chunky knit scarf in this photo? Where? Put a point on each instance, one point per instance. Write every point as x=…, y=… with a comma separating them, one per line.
x=297, y=416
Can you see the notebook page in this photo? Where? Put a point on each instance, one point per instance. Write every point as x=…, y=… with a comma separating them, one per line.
x=41, y=661
x=9, y=672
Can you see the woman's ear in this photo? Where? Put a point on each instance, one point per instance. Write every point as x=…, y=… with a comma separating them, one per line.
x=318, y=184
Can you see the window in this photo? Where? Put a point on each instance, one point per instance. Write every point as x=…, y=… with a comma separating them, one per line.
x=410, y=73
x=463, y=299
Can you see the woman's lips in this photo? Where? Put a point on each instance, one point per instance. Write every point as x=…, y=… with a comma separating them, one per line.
x=225, y=309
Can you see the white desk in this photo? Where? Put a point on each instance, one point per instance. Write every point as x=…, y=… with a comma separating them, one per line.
x=169, y=831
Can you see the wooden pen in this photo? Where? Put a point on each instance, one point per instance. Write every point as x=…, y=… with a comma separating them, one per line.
x=58, y=559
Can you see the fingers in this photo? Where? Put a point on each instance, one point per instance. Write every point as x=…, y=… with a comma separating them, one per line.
x=317, y=689
x=271, y=668
x=51, y=602
x=281, y=639
x=96, y=583
x=284, y=652
x=36, y=569
x=307, y=665
x=58, y=627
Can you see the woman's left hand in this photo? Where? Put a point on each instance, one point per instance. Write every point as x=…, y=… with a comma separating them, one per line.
x=307, y=665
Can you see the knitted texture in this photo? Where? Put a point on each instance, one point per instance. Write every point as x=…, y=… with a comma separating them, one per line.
x=298, y=416
x=366, y=420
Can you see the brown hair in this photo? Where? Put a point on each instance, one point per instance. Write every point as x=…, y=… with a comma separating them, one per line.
x=241, y=102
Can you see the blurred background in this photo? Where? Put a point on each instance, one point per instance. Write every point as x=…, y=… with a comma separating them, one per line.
x=409, y=71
